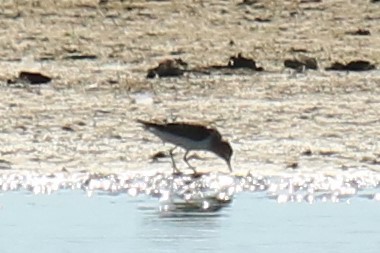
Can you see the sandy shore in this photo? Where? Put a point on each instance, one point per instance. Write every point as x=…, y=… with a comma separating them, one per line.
x=277, y=121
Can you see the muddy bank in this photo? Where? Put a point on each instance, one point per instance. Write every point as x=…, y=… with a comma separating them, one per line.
x=97, y=56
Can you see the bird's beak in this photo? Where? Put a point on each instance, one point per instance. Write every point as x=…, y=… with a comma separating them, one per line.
x=229, y=165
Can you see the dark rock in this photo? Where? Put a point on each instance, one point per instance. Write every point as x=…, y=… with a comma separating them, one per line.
x=81, y=123
x=327, y=153
x=307, y=152
x=361, y=32
x=337, y=66
x=31, y=78
x=292, y=165
x=242, y=62
x=298, y=50
x=34, y=78
x=293, y=64
x=68, y=128
x=248, y=2
x=234, y=63
x=159, y=155
x=262, y=20
x=46, y=58
x=358, y=65
x=168, y=68
x=310, y=1
x=80, y=57
x=301, y=62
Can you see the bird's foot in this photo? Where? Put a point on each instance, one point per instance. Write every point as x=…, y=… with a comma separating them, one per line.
x=177, y=173
x=190, y=166
x=194, y=170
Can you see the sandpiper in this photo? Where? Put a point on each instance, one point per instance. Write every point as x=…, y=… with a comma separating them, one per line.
x=191, y=137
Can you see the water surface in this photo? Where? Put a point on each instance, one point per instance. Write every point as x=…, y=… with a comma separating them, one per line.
x=69, y=221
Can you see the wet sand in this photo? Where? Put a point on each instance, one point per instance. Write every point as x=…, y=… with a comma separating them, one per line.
x=277, y=121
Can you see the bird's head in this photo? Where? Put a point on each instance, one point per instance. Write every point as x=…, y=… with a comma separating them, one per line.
x=224, y=150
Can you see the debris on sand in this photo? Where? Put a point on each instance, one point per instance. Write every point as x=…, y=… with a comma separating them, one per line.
x=160, y=154
x=301, y=62
x=177, y=67
x=168, y=68
x=30, y=78
x=360, y=32
x=240, y=61
x=358, y=65
x=234, y=63
x=80, y=57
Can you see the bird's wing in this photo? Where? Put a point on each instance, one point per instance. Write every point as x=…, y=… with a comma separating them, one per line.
x=190, y=131
x=186, y=130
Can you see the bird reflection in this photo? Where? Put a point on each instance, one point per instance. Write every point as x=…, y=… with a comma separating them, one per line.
x=196, y=194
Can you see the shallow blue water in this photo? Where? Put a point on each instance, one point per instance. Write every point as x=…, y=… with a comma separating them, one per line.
x=69, y=221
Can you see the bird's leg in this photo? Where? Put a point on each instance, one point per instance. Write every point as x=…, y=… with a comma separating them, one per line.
x=175, y=169
x=187, y=161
